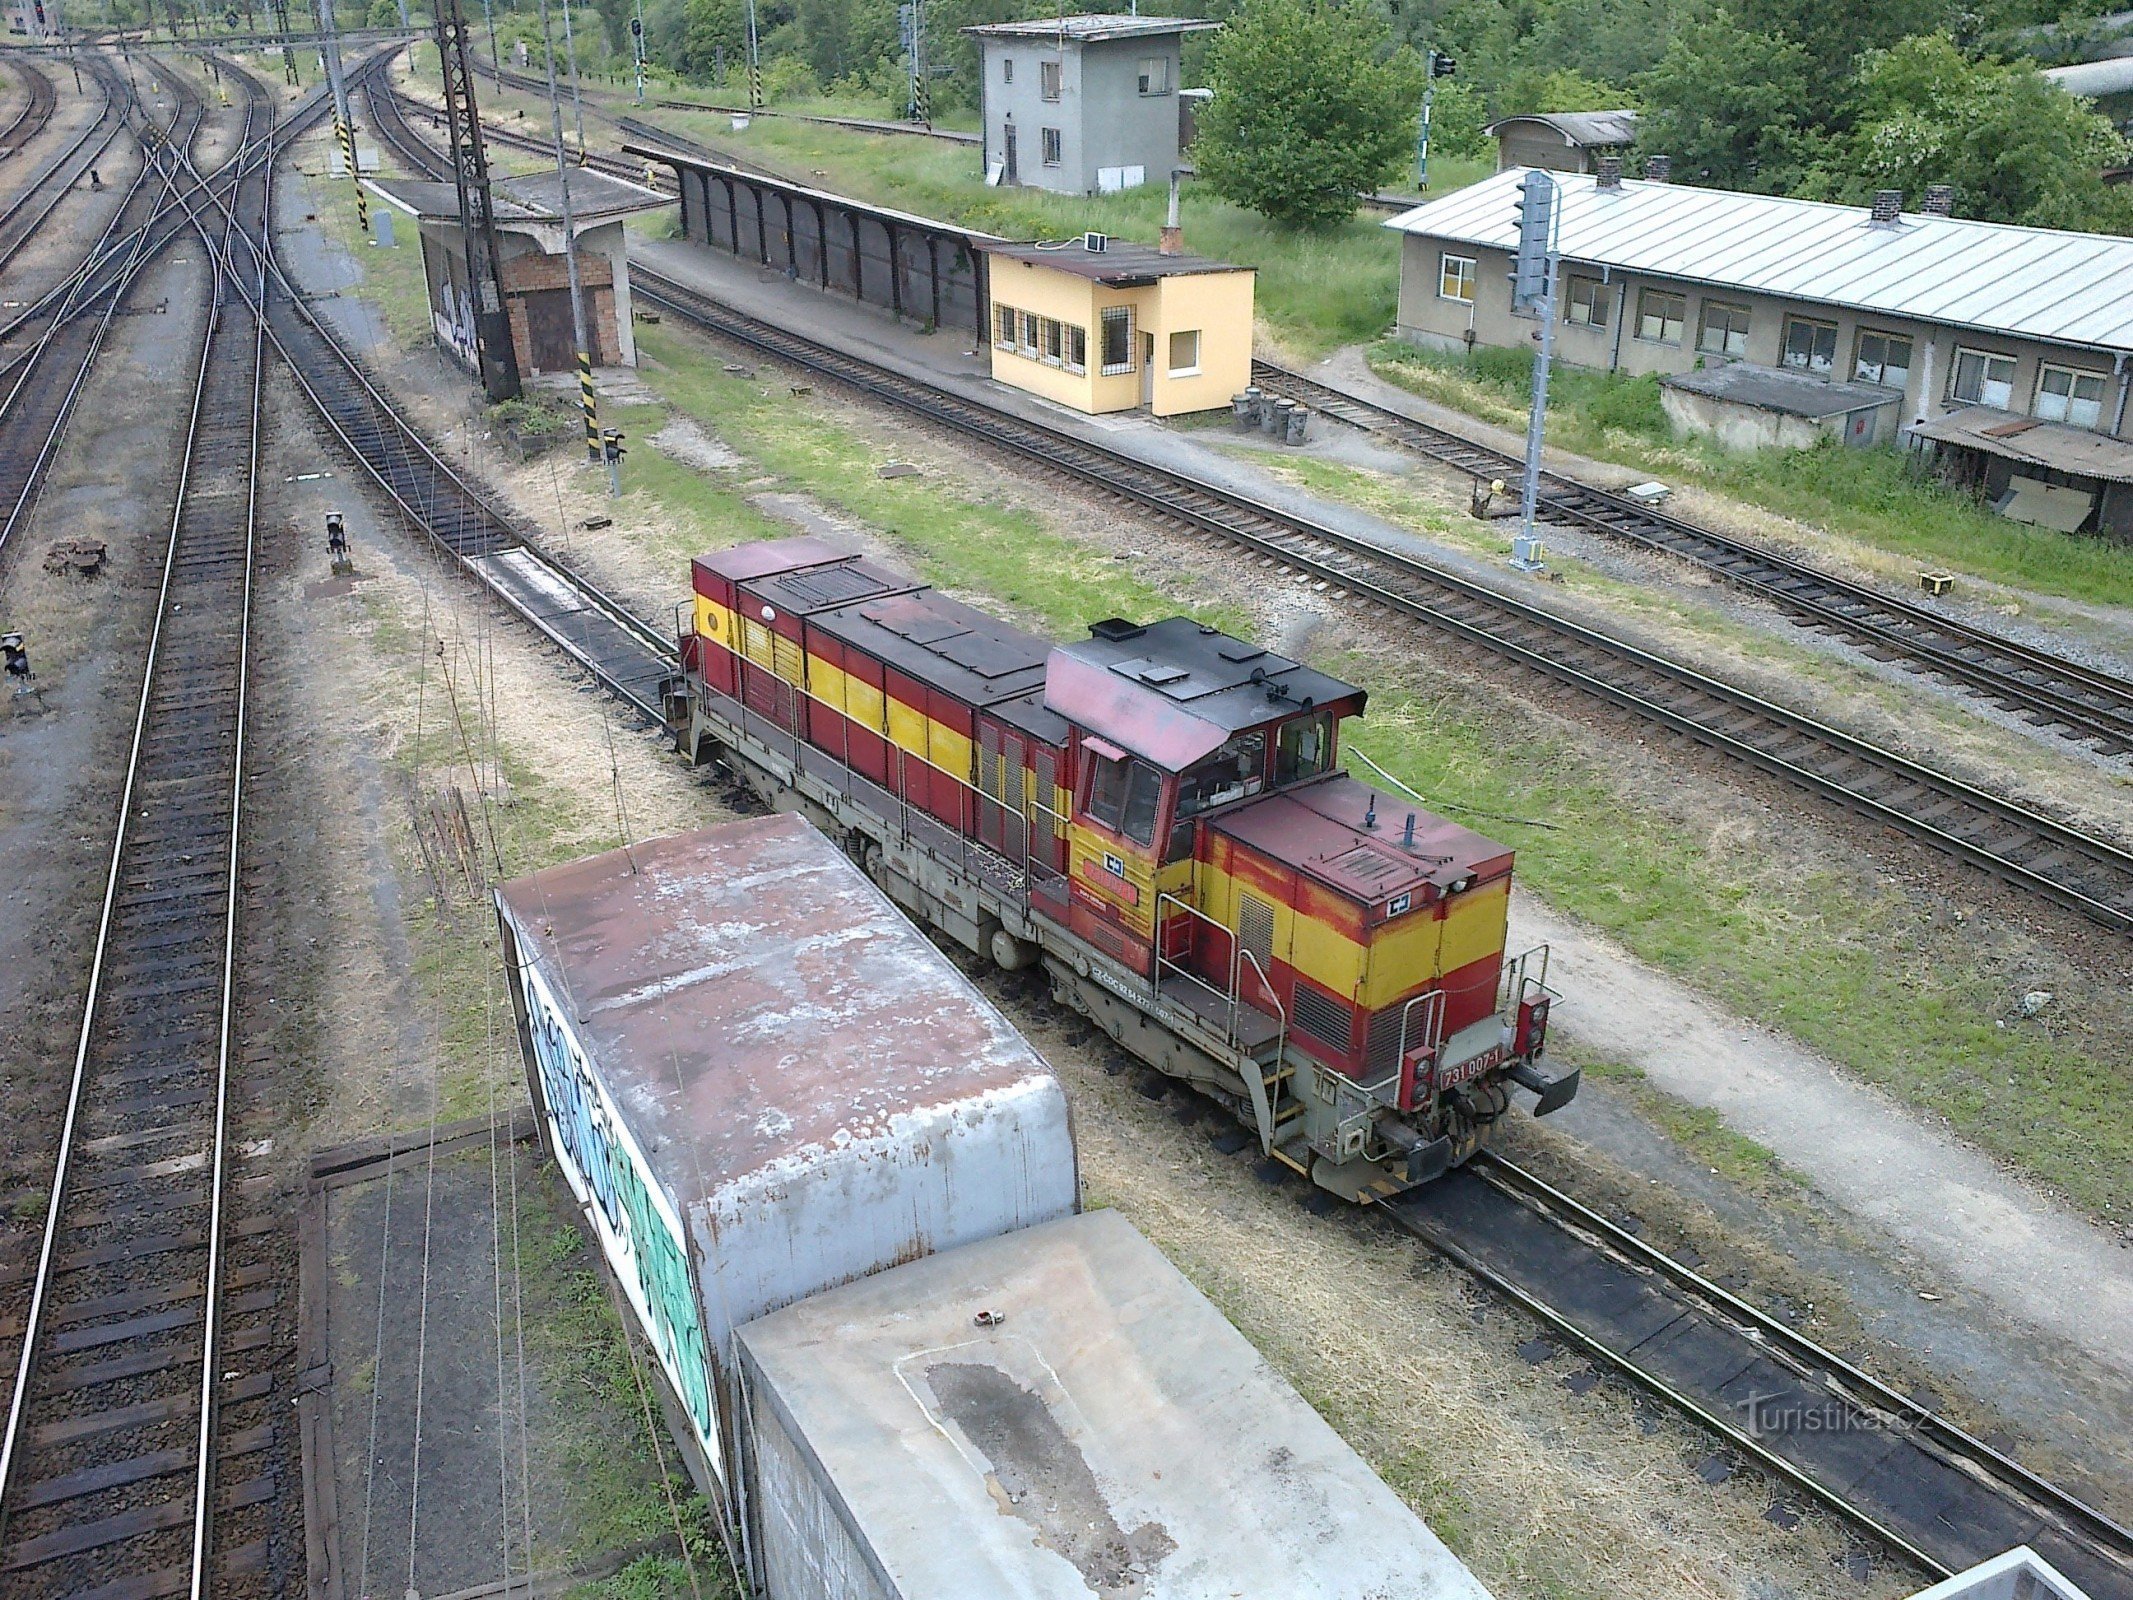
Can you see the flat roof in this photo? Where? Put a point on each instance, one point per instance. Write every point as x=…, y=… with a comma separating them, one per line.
x=1781, y=389
x=2034, y=442
x=1325, y=830
x=1584, y=130
x=594, y=197
x=752, y=1000
x=1109, y=1434
x=1091, y=27
x=677, y=158
x=1121, y=263
x=2036, y=283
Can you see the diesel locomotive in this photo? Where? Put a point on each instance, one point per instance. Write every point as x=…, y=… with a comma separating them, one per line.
x=1158, y=814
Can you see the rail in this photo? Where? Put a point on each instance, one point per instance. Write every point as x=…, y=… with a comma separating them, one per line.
x=2086, y=703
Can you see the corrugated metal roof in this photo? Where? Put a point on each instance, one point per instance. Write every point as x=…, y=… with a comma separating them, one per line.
x=1090, y=27
x=2038, y=283
x=1582, y=129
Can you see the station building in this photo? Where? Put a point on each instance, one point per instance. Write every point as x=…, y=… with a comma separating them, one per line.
x=1082, y=104
x=536, y=276
x=2004, y=352
x=1105, y=325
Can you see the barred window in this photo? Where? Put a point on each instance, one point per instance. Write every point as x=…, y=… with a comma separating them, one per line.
x=1003, y=327
x=1117, y=339
x=1076, y=349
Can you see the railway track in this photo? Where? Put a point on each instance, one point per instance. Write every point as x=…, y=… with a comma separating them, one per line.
x=41, y=99
x=1893, y=1468
x=28, y=208
x=1818, y=1423
x=138, y=1454
x=2021, y=847
x=42, y=387
x=2045, y=687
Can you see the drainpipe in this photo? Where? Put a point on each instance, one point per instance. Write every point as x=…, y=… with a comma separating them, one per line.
x=1614, y=361
x=2125, y=382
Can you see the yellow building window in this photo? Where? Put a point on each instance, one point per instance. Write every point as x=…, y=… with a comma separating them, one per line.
x=1003, y=327
x=1185, y=353
x=1076, y=349
x=1117, y=340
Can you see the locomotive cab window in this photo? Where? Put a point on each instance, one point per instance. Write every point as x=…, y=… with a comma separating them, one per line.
x=1303, y=748
x=1123, y=796
x=1232, y=772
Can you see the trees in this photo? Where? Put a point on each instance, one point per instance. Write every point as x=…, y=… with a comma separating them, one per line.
x=1309, y=110
x=2015, y=148
x=1724, y=102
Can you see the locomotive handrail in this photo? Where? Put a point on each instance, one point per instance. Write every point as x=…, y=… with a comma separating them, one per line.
x=1230, y=999
x=1255, y=1080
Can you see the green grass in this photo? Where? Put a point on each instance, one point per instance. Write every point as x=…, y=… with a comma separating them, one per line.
x=1871, y=495
x=1316, y=291
x=1856, y=974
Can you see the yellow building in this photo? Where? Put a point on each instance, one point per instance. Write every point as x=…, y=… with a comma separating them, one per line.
x=1119, y=326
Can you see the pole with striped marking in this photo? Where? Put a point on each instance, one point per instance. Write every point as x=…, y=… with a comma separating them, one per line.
x=591, y=404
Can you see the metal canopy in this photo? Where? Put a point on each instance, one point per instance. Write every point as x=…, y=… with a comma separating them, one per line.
x=2038, y=283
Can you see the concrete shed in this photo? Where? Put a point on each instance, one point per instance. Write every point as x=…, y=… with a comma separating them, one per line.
x=1057, y=1415
x=761, y=1081
x=536, y=277
x=1751, y=407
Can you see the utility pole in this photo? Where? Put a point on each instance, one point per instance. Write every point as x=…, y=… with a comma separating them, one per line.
x=637, y=47
x=288, y=51
x=912, y=17
x=1440, y=65
x=488, y=17
x=587, y=399
x=477, y=219
x=755, y=64
x=343, y=122
x=577, y=104
x=1533, y=274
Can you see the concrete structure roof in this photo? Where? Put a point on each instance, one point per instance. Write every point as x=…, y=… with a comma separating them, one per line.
x=594, y=198
x=1582, y=130
x=2036, y=443
x=1092, y=27
x=1781, y=389
x=2038, y=283
x=1121, y=264
x=2112, y=76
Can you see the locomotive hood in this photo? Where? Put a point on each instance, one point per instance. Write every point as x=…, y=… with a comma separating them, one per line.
x=1325, y=831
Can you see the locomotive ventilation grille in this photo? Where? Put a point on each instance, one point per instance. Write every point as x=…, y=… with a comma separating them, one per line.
x=1331, y=1022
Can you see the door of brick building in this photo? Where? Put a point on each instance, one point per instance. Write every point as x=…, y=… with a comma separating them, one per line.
x=552, y=338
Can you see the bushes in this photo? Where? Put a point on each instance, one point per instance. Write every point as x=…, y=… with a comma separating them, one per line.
x=1580, y=396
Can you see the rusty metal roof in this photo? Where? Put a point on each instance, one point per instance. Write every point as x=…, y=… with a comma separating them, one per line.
x=1122, y=263
x=752, y=1000
x=1319, y=829
x=942, y=643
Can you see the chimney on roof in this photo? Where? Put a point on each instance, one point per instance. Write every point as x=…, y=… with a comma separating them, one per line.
x=1888, y=208
x=1658, y=169
x=1172, y=239
x=1610, y=172
x=1939, y=200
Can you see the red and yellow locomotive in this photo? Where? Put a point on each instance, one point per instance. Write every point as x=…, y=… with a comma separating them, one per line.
x=1158, y=814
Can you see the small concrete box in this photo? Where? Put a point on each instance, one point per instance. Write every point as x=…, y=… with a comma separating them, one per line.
x=761, y=1081
x=1055, y=1415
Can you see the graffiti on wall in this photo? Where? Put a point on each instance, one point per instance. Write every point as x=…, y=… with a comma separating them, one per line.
x=639, y=1231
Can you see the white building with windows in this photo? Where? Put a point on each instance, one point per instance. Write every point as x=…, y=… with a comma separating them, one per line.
x=2005, y=351
x=1082, y=104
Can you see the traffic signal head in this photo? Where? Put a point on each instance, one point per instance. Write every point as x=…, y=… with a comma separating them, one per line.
x=1535, y=206
x=637, y=27
x=611, y=446
x=1442, y=65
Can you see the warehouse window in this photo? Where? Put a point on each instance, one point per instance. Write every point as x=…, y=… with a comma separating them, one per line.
x=1122, y=797
x=1455, y=278
x=1725, y=329
x=2064, y=395
x=1052, y=144
x=1586, y=306
x=1003, y=327
x=1884, y=359
x=1007, y=69
x=1076, y=349
x=1048, y=74
x=1811, y=346
x=1155, y=75
x=1661, y=316
x=1118, y=339
x=1984, y=379
x=1185, y=353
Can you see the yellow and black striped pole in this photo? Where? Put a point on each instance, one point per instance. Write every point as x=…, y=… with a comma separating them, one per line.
x=348, y=154
x=591, y=403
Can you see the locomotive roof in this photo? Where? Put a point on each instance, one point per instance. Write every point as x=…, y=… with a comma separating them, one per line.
x=1318, y=829
x=1175, y=690
x=942, y=643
